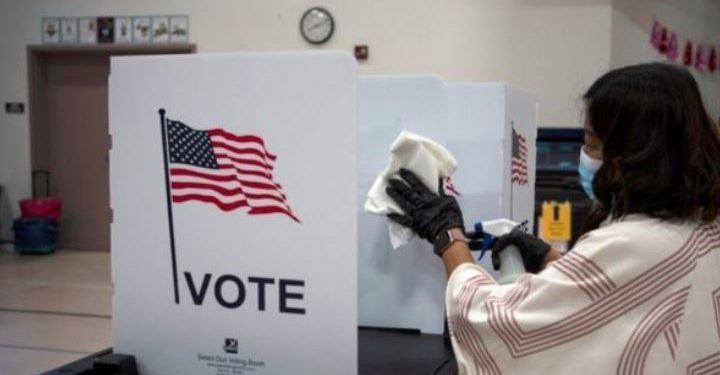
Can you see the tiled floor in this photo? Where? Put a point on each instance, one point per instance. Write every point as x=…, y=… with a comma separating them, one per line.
x=53, y=309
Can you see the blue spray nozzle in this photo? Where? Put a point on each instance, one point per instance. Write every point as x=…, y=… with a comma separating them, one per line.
x=486, y=238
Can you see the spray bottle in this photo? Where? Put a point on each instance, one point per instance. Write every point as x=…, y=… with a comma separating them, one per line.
x=511, y=263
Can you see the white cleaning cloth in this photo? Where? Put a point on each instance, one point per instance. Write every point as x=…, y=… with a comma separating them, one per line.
x=427, y=159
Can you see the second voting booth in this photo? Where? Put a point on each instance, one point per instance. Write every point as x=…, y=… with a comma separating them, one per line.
x=237, y=183
x=490, y=129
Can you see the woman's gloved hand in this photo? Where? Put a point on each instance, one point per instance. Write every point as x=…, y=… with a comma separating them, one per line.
x=532, y=249
x=426, y=213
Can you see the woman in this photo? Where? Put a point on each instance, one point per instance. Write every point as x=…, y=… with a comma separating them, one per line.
x=640, y=291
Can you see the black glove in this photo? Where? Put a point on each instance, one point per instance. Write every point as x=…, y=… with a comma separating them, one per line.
x=426, y=213
x=532, y=249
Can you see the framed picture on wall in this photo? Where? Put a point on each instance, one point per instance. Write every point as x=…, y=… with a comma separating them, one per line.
x=179, y=29
x=106, y=29
x=50, y=30
x=123, y=29
x=141, y=29
x=69, y=30
x=160, y=29
x=87, y=30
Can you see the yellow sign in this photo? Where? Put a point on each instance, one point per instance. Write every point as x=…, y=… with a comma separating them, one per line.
x=556, y=221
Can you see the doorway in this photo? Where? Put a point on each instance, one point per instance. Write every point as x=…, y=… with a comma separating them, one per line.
x=68, y=109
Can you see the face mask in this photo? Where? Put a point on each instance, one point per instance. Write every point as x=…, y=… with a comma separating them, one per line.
x=587, y=168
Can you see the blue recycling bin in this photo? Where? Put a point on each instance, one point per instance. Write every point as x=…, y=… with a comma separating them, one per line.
x=35, y=236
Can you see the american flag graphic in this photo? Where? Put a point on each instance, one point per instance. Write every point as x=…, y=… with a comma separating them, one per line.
x=519, y=168
x=448, y=185
x=224, y=169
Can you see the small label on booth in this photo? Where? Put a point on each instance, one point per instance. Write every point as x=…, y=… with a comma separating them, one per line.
x=556, y=221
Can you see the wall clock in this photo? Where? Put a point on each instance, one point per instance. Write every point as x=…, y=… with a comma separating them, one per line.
x=317, y=25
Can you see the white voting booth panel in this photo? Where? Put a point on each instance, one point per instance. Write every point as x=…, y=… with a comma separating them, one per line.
x=252, y=266
x=404, y=288
x=485, y=119
x=401, y=288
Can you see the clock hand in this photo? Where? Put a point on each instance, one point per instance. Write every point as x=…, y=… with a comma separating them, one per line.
x=315, y=26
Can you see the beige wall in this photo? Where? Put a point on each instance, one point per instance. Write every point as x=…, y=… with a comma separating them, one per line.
x=693, y=19
x=552, y=48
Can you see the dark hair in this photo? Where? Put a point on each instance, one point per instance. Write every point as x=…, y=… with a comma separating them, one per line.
x=661, y=151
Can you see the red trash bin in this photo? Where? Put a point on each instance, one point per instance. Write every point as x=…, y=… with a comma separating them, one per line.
x=41, y=208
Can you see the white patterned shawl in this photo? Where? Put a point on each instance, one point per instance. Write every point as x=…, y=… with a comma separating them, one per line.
x=636, y=296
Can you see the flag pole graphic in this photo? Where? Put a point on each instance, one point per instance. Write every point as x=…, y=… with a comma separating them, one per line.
x=169, y=204
x=512, y=145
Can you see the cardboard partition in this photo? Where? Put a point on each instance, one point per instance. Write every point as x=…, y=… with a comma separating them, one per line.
x=233, y=186
x=490, y=128
x=397, y=288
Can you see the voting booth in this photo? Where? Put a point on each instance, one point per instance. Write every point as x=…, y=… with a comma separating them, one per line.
x=397, y=288
x=234, y=230
x=492, y=133
x=237, y=183
x=491, y=130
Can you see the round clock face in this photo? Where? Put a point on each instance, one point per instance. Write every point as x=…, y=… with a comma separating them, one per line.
x=317, y=25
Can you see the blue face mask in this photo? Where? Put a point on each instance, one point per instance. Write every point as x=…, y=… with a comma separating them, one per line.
x=587, y=167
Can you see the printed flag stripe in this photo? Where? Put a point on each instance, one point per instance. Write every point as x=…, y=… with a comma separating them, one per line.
x=242, y=152
x=198, y=185
x=212, y=177
x=190, y=175
x=224, y=191
x=252, y=202
x=243, y=139
x=248, y=172
x=258, y=185
x=450, y=186
x=244, y=162
x=241, y=157
x=245, y=174
x=251, y=194
x=252, y=148
x=223, y=178
x=210, y=199
x=230, y=206
x=272, y=210
x=518, y=168
x=453, y=190
x=224, y=171
x=253, y=197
